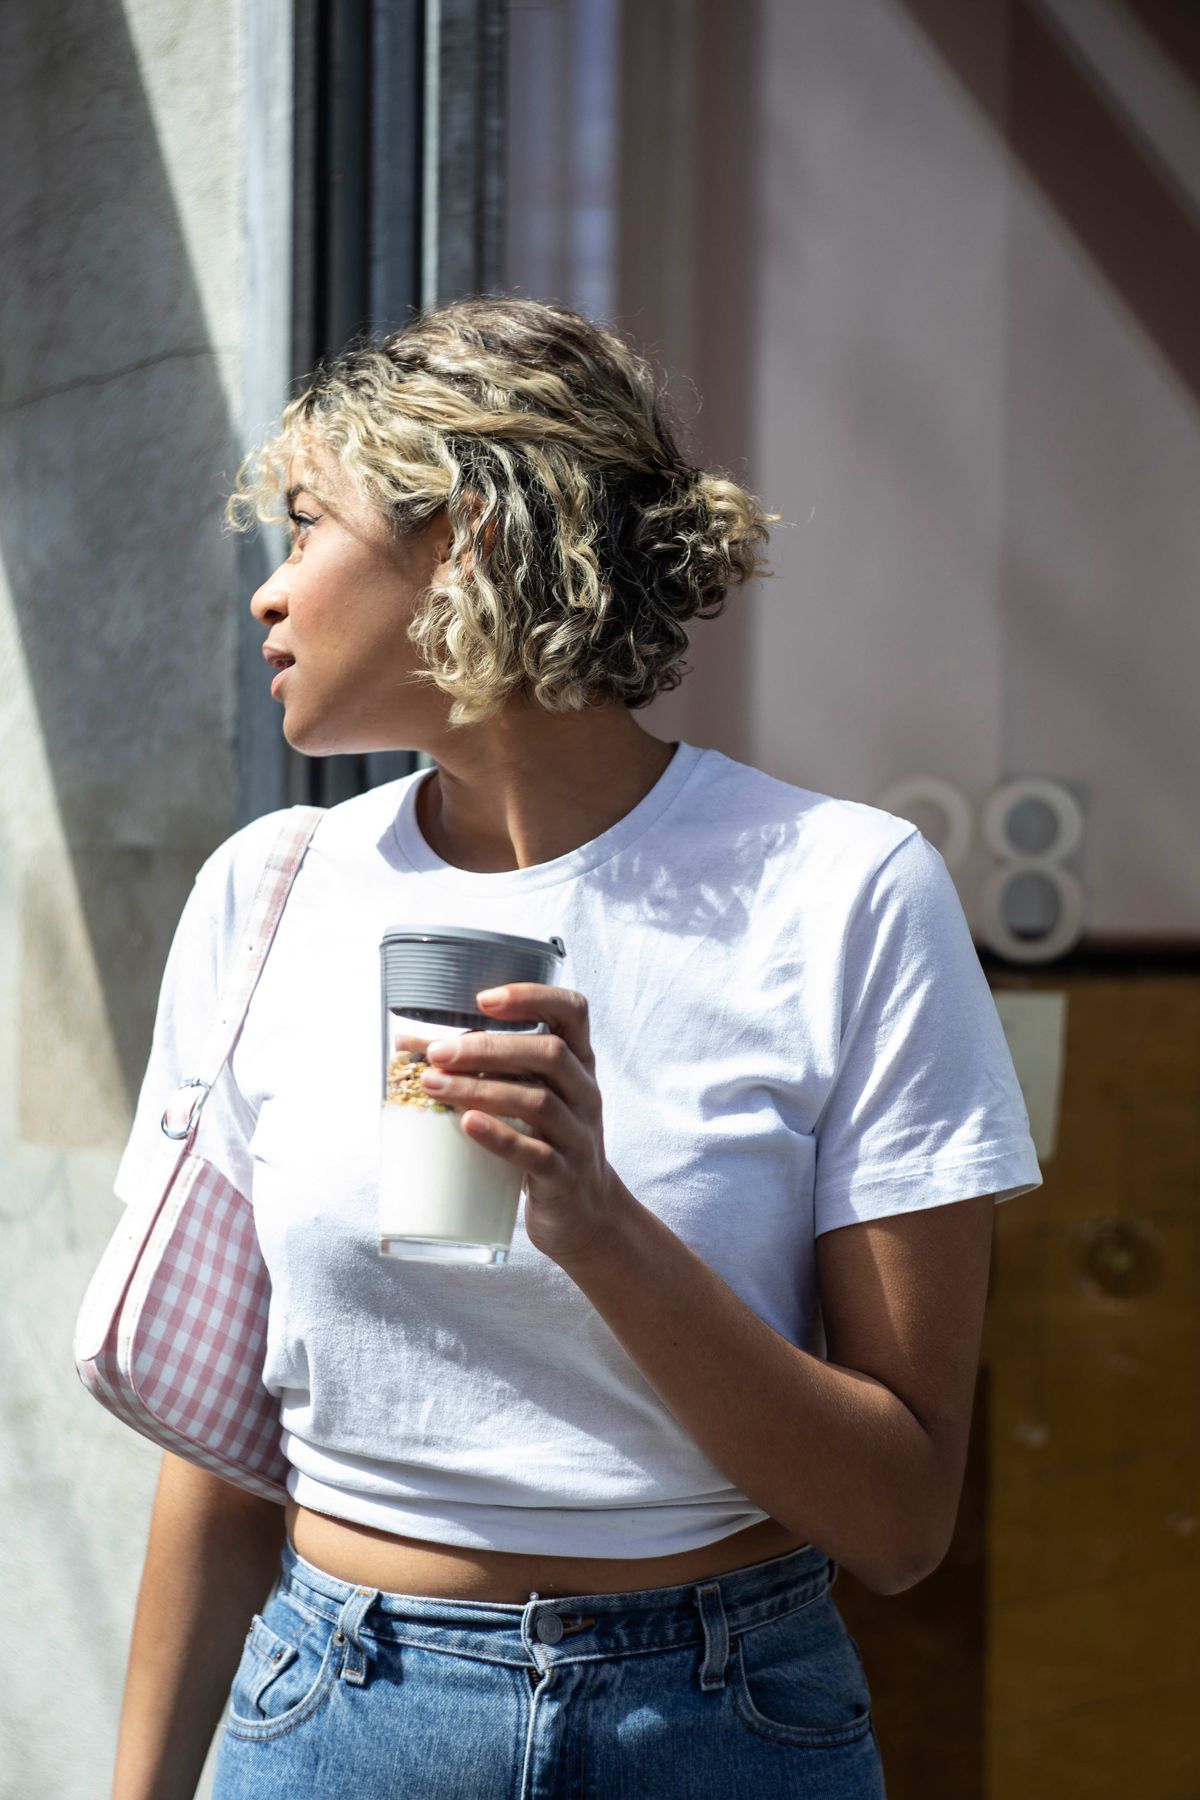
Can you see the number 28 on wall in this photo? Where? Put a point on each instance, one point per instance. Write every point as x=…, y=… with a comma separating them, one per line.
x=1042, y=869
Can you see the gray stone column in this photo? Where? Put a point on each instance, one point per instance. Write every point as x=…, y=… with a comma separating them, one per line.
x=121, y=317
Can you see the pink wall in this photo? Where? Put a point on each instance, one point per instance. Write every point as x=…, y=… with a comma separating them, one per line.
x=929, y=268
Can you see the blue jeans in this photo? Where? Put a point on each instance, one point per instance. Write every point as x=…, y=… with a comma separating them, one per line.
x=744, y=1687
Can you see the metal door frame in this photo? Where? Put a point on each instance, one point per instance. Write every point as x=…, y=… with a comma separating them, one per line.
x=375, y=138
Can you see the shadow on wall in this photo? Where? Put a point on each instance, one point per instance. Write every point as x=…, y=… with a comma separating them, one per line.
x=116, y=440
x=1103, y=179
x=689, y=268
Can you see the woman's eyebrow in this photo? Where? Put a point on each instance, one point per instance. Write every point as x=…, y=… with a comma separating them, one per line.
x=302, y=487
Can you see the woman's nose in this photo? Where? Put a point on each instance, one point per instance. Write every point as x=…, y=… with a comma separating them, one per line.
x=270, y=601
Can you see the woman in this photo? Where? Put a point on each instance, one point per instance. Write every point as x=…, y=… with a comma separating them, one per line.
x=568, y=1526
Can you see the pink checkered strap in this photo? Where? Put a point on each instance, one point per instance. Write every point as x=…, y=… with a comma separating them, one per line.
x=172, y=1331
x=185, y=1105
x=254, y=940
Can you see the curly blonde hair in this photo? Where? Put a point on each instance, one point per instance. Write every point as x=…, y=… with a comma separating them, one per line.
x=593, y=540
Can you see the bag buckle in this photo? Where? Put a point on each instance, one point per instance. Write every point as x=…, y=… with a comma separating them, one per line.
x=194, y=1081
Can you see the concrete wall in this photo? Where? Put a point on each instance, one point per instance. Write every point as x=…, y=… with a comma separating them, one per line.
x=120, y=317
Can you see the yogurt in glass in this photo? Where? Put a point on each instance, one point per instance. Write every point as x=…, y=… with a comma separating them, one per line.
x=442, y=1197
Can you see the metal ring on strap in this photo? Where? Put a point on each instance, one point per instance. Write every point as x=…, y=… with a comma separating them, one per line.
x=194, y=1081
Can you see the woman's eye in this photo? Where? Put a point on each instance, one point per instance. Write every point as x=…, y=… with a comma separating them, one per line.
x=300, y=522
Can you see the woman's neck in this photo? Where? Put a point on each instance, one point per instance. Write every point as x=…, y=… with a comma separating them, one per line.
x=534, y=785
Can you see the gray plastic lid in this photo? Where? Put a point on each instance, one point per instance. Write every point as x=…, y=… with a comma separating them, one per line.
x=443, y=967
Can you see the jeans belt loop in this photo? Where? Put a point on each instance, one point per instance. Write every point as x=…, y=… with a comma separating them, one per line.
x=349, y=1624
x=716, y=1636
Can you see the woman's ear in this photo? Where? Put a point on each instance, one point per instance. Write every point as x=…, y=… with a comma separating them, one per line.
x=475, y=506
x=443, y=537
x=438, y=538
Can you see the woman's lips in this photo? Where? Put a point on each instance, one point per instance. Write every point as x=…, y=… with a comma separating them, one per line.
x=279, y=677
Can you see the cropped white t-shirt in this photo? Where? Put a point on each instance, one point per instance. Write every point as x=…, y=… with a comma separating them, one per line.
x=792, y=1033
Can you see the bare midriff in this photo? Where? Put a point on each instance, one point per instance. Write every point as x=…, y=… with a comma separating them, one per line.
x=369, y=1558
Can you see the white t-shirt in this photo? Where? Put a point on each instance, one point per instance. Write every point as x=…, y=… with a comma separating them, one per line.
x=792, y=1033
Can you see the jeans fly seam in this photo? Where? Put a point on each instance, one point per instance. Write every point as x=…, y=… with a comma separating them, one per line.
x=535, y=1694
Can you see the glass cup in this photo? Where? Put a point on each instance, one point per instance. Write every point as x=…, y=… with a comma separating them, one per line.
x=443, y=1197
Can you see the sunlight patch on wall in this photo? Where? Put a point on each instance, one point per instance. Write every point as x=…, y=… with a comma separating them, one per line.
x=60, y=1081
x=184, y=59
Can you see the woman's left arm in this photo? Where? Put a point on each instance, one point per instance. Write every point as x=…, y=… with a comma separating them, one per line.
x=862, y=1454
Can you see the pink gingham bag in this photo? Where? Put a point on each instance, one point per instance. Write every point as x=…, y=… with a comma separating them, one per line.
x=171, y=1336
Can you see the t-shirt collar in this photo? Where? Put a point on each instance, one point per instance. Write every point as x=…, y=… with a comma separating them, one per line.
x=416, y=853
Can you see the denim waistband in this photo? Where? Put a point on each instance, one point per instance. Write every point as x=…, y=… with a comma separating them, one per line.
x=568, y=1628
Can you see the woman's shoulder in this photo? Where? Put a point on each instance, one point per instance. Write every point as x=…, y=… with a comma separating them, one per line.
x=799, y=823
x=229, y=876
x=238, y=860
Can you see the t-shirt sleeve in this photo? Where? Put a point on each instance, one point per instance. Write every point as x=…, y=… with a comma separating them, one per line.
x=925, y=1106
x=187, y=1006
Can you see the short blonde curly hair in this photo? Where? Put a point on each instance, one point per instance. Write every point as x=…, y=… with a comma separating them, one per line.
x=593, y=540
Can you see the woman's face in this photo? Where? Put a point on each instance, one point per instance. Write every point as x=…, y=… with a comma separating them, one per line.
x=340, y=604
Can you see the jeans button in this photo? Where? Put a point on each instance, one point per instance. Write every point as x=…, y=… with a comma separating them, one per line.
x=549, y=1628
